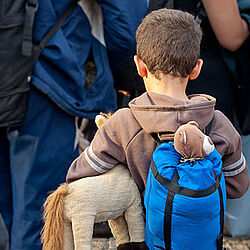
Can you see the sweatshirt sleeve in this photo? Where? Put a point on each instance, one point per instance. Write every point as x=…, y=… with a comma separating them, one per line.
x=228, y=143
x=105, y=151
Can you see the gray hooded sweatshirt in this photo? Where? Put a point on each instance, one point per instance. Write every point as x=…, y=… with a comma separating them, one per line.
x=127, y=138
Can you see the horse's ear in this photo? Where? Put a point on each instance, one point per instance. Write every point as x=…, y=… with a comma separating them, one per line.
x=99, y=120
x=183, y=137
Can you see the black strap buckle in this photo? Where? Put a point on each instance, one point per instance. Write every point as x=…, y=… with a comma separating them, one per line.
x=31, y=8
x=32, y=4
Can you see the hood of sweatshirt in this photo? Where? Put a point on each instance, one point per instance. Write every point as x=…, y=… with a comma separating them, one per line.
x=160, y=113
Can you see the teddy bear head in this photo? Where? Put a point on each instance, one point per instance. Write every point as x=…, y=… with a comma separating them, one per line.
x=190, y=142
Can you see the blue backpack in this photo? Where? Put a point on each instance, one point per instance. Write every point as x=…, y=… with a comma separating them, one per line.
x=185, y=202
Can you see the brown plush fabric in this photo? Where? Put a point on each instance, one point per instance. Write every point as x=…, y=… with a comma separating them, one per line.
x=190, y=142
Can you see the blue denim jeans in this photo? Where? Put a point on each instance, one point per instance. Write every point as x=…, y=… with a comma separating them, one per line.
x=34, y=160
x=238, y=210
x=4, y=239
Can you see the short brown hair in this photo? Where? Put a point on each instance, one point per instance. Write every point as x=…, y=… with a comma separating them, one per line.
x=168, y=41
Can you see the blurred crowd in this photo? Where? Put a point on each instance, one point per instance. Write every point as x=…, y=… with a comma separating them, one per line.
x=87, y=68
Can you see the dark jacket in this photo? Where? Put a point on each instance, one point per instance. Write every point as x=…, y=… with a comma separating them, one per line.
x=83, y=36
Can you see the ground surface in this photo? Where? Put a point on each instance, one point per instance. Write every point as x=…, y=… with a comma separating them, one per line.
x=236, y=244
x=229, y=244
x=103, y=244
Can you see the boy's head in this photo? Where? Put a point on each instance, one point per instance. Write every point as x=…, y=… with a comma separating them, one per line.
x=168, y=42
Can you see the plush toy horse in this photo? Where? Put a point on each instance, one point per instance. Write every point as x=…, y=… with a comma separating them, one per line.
x=71, y=211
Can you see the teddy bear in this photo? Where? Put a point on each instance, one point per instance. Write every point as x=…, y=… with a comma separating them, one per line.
x=71, y=211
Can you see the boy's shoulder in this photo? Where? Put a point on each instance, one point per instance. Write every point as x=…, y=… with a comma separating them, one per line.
x=226, y=138
x=122, y=122
x=222, y=125
x=123, y=116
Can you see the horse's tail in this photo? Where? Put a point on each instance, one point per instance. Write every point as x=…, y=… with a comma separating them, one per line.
x=52, y=232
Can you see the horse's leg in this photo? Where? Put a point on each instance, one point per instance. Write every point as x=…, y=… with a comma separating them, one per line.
x=119, y=230
x=68, y=241
x=82, y=226
x=135, y=219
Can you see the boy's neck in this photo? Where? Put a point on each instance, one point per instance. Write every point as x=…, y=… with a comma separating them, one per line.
x=174, y=87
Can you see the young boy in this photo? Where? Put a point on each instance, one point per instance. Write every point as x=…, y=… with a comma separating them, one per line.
x=168, y=47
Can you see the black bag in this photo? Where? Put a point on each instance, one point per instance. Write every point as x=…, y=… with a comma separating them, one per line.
x=18, y=54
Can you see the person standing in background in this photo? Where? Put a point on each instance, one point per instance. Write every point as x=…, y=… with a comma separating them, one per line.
x=34, y=157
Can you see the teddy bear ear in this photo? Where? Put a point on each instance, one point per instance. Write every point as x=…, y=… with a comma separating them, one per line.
x=99, y=120
x=193, y=123
x=183, y=137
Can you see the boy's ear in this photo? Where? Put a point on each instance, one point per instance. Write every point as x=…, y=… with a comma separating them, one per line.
x=141, y=66
x=196, y=70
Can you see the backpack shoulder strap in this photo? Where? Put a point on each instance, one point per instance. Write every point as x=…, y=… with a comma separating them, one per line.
x=209, y=126
x=167, y=137
x=53, y=30
x=220, y=237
